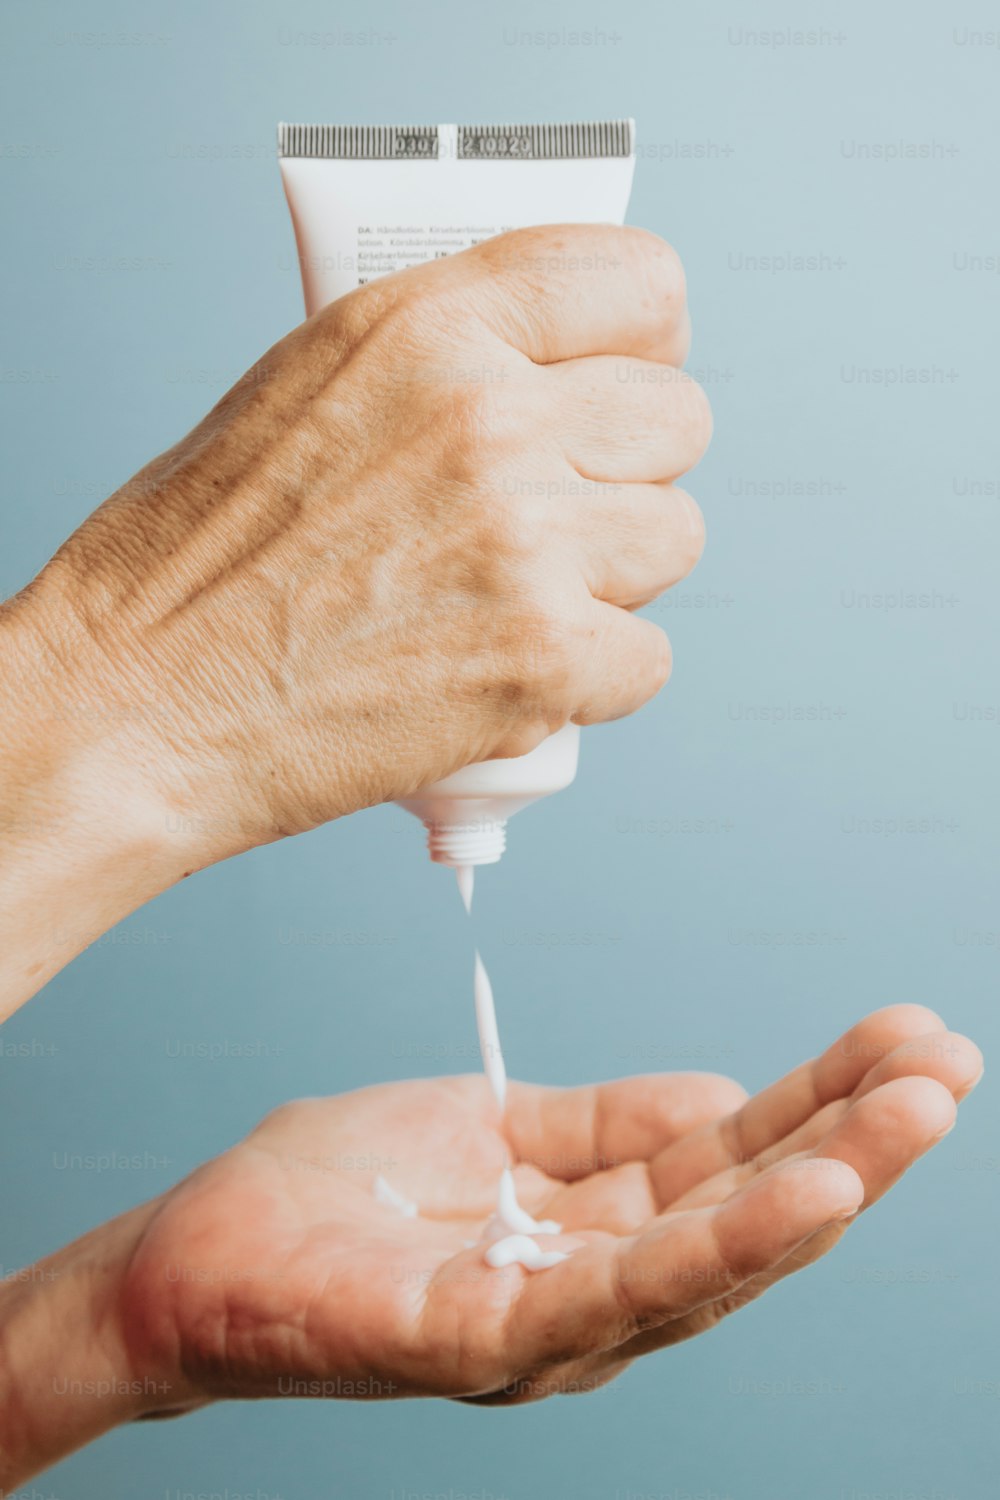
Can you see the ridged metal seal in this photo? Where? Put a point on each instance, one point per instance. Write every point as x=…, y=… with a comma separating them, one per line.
x=545, y=142
x=361, y=142
x=582, y=139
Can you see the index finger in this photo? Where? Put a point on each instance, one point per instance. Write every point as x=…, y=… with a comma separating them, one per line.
x=563, y=291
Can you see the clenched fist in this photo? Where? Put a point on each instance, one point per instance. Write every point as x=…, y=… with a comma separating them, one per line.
x=412, y=537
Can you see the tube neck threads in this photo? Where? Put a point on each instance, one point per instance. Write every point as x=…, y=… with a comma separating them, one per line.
x=478, y=843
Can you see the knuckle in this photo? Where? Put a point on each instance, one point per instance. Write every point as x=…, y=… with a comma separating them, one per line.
x=546, y=643
x=658, y=263
x=517, y=267
x=474, y=401
x=484, y=426
x=544, y=248
x=502, y=531
x=529, y=674
x=350, y=318
x=519, y=529
x=546, y=656
x=517, y=249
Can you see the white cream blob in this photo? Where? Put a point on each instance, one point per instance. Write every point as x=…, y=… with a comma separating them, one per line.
x=515, y=1219
x=520, y=1250
x=386, y=1194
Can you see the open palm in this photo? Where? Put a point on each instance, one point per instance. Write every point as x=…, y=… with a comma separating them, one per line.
x=275, y=1271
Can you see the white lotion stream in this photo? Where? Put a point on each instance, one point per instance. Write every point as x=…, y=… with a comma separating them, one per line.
x=510, y=1221
x=508, y=1235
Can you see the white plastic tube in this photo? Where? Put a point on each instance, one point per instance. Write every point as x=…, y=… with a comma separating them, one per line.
x=368, y=200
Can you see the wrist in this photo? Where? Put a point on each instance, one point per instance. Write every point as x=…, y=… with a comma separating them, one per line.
x=66, y=1375
x=85, y=838
x=134, y=678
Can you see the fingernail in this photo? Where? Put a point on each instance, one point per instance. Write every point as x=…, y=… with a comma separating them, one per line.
x=833, y=1223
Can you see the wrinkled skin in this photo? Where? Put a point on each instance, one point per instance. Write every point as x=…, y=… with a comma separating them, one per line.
x=411, y=537
x=414, y=536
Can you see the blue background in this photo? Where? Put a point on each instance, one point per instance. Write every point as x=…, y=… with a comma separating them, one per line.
x=615, y=933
